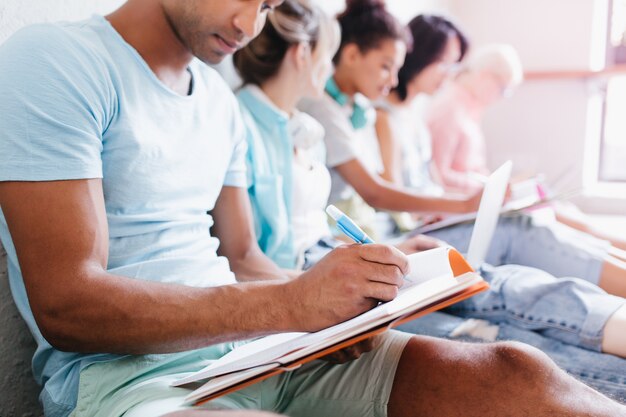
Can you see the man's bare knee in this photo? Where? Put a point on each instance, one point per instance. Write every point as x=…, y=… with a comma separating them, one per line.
x=518, y=354
x=209, y=413
x=508, y=378
x=519, y=360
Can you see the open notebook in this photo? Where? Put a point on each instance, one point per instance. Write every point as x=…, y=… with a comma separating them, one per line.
x=438, y=278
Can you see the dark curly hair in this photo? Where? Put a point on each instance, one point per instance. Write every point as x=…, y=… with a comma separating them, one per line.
x=367, y=23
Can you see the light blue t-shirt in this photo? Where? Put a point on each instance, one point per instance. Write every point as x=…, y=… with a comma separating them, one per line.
x=79, y=102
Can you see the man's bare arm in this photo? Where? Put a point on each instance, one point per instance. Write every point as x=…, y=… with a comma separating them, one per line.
x=59, y=230
x=60, y=233
x=234, y=228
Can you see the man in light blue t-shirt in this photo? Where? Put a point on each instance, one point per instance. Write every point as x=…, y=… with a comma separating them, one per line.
x=122, y=172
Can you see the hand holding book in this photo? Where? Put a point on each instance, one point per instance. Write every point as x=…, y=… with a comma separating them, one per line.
x=438, y=278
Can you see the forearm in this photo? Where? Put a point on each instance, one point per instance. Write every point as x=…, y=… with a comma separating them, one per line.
x=116, y=314
x=384, y=195
x=447, y=143
x=458, y=181
x=253, y=265
x=387, y=196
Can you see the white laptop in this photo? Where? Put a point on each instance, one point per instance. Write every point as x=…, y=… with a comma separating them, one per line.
x=488, y=214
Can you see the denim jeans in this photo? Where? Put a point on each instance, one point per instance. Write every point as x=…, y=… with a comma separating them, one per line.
x=316, y=252
x=564, y=317
x=556, y=249
x=570, y=310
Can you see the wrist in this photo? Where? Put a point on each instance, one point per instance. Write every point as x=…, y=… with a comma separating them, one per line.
x=290, y=305
x=457, y=205
x=467, y=205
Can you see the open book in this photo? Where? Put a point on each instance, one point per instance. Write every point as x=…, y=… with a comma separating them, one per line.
x=438, y=278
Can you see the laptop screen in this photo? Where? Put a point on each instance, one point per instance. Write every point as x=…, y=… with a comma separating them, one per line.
x=488, y=214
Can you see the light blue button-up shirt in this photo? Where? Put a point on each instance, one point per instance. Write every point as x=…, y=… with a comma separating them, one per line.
x=270, y=174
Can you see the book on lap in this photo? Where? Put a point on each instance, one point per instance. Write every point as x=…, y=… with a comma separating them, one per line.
x=438, y=278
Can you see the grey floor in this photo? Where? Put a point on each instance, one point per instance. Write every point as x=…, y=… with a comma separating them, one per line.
x=19, y=391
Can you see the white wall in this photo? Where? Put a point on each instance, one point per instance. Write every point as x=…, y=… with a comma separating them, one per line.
x=548, y=34
x=404, y=9
x=17, y=13
x=548, y=126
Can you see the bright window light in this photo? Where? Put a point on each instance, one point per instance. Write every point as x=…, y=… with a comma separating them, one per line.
x=613, y=147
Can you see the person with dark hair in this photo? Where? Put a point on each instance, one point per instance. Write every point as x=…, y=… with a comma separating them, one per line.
x=517, y=240
x=122, y=170
x=365, y=23
x=405, y=145
x=372, y=51
x=438, y=41
x=406, y=155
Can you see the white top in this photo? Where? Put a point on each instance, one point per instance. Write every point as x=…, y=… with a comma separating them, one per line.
x=343, y=142
x=408, y=127
x=311, y=187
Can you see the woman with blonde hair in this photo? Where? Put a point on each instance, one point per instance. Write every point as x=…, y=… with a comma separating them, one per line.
x=459, y=155
x=289, y=184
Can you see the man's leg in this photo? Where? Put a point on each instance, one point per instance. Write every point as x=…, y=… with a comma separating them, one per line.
x=445, y=378
x=602, y=372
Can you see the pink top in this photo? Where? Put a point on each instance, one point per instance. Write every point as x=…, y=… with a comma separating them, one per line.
x=458, y=143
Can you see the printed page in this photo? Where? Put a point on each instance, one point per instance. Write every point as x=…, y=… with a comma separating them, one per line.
x=411, y=300
x=428, y=265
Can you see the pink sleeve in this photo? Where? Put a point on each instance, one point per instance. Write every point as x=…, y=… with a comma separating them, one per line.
x=446, y=143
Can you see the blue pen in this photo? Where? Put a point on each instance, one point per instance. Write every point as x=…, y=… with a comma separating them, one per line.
x=347, y=225
x=350, y=229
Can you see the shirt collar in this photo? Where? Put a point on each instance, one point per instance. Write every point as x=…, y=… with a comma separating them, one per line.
x=261, y=107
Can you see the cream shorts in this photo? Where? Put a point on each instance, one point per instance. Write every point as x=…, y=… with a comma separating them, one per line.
x=139, y=386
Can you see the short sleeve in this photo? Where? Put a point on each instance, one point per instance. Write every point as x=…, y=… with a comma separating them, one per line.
x=56, y=104
x=236, y=176
x=339, y=135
